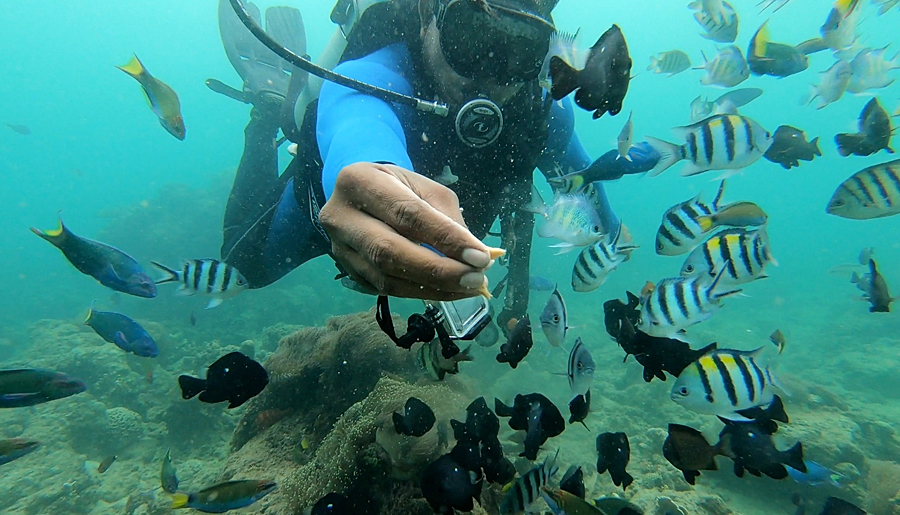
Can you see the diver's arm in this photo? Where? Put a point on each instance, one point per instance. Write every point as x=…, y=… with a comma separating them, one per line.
x=378, y=211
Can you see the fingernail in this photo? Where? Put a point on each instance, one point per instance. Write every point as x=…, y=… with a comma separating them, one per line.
x=476, y=258
x=496, y=253
x=472, y=280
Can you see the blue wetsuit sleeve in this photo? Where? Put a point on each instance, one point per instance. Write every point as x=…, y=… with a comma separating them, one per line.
x=355, y=127
x=564, y=151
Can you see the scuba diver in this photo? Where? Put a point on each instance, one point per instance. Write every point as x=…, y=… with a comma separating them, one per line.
x=369, y=183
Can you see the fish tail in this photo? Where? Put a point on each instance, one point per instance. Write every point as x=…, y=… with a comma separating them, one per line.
x=719, y=194
x=760, y=42
x=564, y=78
x=793, y=458
x=54, y=236
x=845, y=7
x=134, y=67
x=171, y=275
x=179, y=500
x=847, y=143
x=190, y=386
x=502, y=410
x=815, y=144
x=669, y=153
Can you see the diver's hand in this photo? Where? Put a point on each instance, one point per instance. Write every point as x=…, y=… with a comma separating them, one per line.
x=377, y=217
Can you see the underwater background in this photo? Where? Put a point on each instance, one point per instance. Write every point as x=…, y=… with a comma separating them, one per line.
x=96, y=154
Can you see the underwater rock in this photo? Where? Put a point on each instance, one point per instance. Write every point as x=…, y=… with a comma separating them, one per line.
x=319, y=372
x=360, y=453
x=882, y=488
x=125, y=426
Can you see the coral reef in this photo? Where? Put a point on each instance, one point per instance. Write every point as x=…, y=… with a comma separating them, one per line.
x=883, y=487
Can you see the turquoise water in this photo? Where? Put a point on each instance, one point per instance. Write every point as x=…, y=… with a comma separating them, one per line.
x=97, y=154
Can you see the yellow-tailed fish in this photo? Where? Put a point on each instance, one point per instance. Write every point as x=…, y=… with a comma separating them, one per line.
x=569, y=503
x=739, y=214
x=163, y=99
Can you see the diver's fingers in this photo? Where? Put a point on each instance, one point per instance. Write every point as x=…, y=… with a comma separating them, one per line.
x=365, y=273
x=394, y=256
x=401, y=199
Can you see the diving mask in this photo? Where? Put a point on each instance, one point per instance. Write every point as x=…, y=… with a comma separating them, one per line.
x=493, y=38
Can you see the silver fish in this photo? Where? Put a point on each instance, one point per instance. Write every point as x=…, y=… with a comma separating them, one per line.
x=672, y=62
x=839, y=30
x=430, y=359
x=210, y=276
x=743, y=255
x=625, y=138
x=727, y=69
x=722, y=142
x=885, y=5
x=727, y=103
x=571, y=218
x=833, y=84
x=778, y=4
x=596, y=262
x=680, y=229
x=581, y=368
x=680, y=302
x=554, y=319
x=718, y=19
x=873, y=192
x=868, y=70
x=564, y=46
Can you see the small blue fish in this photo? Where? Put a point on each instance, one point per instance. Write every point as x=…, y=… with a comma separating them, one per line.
x=108, y=265
x=127, y=334
x=816, y=475
x=538, y=283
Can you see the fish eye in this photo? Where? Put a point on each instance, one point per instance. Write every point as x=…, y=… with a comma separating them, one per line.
x=838, y=203
x=555, y=318
x=596, y=229
x=659, y=245
x=689, y=268
x=683, y=390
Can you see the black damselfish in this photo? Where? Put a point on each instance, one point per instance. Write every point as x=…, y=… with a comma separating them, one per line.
x=613, y=456
x=447, y=485
x=519, y=343
x=537, y=416
x=656, y=354
x=752, y=449
x=579, y=407
x=789, y=147
x=603, y=82
x=689, y=451
x=573, y=481
x=234, y=378
x=835, y=506
x=416, y=420
x=477, y=445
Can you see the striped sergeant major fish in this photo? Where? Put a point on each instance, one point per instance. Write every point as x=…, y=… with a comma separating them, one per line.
x=210, y=276
x=872, y=192
x=722, y=142
x=596, y=262
x=724, y=382
x=680, y=230
x=742, y=254
x=680, y=302
x=527, y=488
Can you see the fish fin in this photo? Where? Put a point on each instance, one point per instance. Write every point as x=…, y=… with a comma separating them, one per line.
x=728, y=173
x=536, y=204
x=89, y=314
x=179, y=500
x=214, y=303
x=719, y=194
x=190, y=386
x=815, y=144
x=760, y=41
x=134, y=67
x=794, y=458
x=54, y=236
x=735, y=417
x=720, y=295
x=465, y=355
x=564, y=78
x=120, y=339
x=669, y=154
x=564, y=248
x=848, y=143
x=585, y=425
x=502, y=410
x=171, y=275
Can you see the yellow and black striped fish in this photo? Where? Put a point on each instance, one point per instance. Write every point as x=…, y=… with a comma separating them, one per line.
x=211, y=276
x=724, y=382
x=677, y=303
x=742, y=254
x=527, y=488
x=721, y=142
x=872, y=192
x=680, y=229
